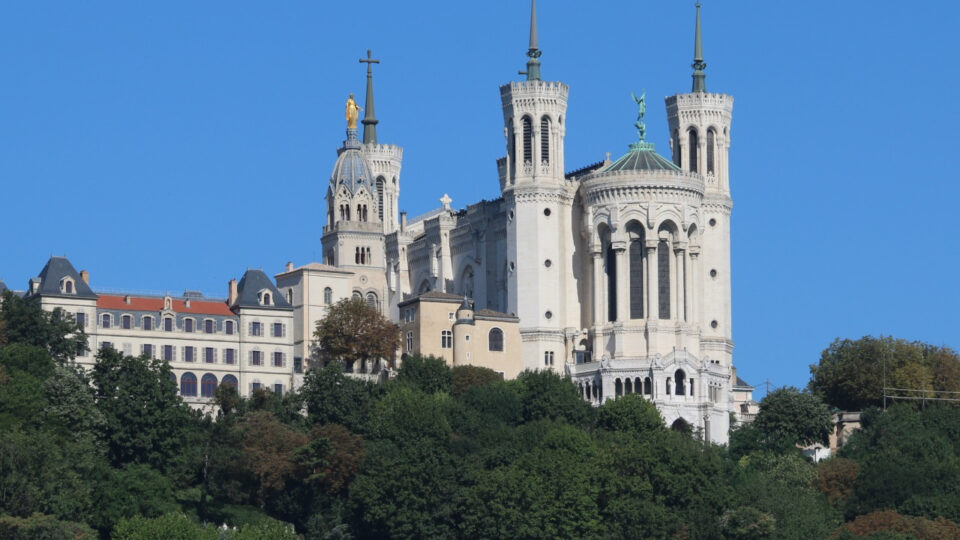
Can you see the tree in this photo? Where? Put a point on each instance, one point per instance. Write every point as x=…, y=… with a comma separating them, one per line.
x=631, y=413
x=25, y=322
x=40, y=526
x=333, y=398
x=269, y=450
x=889, y=521
x=836, y=478
x=545, y=394
x=354, y=332
x=794, y=417
x=332, y=458
x=146, y=421
x=172, y=526
x=850, y=374
x=428, y=373
x=467, y=377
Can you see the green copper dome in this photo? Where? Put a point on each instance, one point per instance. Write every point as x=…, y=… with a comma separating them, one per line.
x=641, y=157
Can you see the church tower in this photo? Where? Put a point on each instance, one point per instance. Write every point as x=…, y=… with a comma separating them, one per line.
x=538, y=206
x=700, y=140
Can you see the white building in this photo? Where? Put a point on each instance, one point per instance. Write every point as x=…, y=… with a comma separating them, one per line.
x=618, y=272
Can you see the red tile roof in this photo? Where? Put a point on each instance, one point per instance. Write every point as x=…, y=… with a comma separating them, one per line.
x=156, y=304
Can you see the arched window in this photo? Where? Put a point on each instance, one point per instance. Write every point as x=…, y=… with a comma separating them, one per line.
x=342, y=215
x=369, y=257
x=229, y=380
x=636, y=270
x=647, y=386
x=228, y=328
x=290, y=296
x=627, y=386
x=168, y=324
x=188, y=325
x=693, y=140
x=188, y=384
x=126, y=322
x=663, y=278
x=681, y=382
x=68, y=287
x=495, y=339
x=357, y=295
x=347, y=208
x=527, y=140
x=380, y=198
x=356, y=255
x=711, y=139
x=618, y=390
x=676, y=148
x=208, y=384
x=365, y=218
x=105, y=321
x=328, y=296
x=359, y=213
x=372, y=300
x=545, y=140
x=611, y=283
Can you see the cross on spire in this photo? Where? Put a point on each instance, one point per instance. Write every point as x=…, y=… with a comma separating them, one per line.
x=369, y=118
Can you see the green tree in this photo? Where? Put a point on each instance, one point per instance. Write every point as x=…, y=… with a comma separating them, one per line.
x=23, y=397
x=43, y=527
x=56, y=331
x=794, y=417
x=353, y=332
x=545, y=394
x=135, y=490
x=333, y=398
x=850, y=374
x=748, y=523
x=631, y=413
x=428, y=373
x=172, y=526
x=269, y=451
x=467, y=377
x=146, y=421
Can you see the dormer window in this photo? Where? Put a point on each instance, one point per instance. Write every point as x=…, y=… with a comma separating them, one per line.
x=266, y=299
x=66, y=286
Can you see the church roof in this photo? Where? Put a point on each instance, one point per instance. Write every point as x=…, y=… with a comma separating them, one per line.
x=55, y=270
x=250, y=286
x=491, y=314
x=351, y=169
x=641, y=157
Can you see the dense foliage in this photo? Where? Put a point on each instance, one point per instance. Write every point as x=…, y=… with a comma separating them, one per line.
x=435, y=452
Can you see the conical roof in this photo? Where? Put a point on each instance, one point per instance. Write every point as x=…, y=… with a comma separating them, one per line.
x=351, y=169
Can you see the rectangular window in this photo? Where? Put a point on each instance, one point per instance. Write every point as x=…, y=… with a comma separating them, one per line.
x=228, y=328
x=230, y=355
x=208, y=355
x=256, y=358
x=209, y=326
x=188, y=354
x=451, y=316
x=127, y=349
x=277, y=329
x=188, y=325
x=127, y=322
x=255, y=386
x=446, y=339
x=168, y=324
x=168, y=353
x=409, y=342
x=148, y=351
x=278, y=359
x=297, y=364
x=256, y=329
x=278, y=389
x=548, y=358
x=105, y=321
x=147, y=323
x=81, y=319
x=105, y=345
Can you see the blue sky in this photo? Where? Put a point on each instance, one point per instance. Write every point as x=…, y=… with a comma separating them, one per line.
x=170, y=146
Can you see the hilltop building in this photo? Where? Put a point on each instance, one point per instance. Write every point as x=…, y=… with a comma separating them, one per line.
x=616, y=275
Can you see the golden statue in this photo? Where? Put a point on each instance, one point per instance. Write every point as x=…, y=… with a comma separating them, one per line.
x=353, y=112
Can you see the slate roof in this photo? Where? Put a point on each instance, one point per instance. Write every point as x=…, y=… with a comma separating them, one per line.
x=641, y=157
x=491, y=314
x=351, y=169
x=254, y=281
x=742, y=383
x=56, y=269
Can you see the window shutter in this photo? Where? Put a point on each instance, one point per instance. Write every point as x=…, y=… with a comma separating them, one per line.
x=284, y=331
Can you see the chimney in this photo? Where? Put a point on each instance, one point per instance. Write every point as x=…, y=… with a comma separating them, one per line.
x=232, y=292
x=126, y=299
x=403, y=221
x=289, y=267
x=85, y=276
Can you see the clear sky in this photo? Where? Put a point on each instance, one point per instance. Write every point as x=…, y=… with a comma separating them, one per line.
x=171, y=146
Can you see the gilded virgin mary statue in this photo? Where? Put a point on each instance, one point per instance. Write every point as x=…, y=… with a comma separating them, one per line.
x=353, y=112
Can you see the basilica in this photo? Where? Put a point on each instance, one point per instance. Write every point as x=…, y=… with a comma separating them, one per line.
x=616, y=275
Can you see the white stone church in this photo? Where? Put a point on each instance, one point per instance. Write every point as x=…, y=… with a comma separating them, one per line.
x=617, y=274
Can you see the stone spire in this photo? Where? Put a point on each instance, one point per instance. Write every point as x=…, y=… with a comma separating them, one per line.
x=369, y=118
x=699, y=77
x=533, y=64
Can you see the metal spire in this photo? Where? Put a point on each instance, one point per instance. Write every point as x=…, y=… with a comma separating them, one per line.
x=699, y=77
x=533, y=64
x=369, y=118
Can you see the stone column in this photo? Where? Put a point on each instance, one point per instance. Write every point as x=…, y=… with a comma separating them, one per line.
x=623, y=283
x=597, y=287
x=694, y=285
x=653, y=289
x=680, y=253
